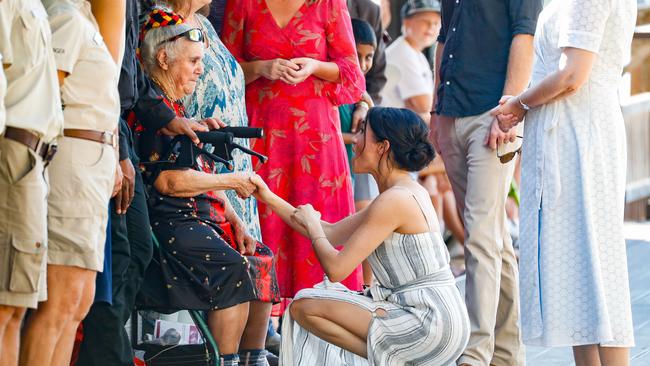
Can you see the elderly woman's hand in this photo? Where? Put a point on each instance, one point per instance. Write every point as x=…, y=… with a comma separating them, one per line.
x=188, y=127
x=307, y=217
x=245, y=242
x=241, y=183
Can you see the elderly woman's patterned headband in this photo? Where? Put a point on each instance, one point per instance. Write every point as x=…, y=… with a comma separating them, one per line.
x=159, y=18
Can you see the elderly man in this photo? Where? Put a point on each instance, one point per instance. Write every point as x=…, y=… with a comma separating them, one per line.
x=410, y=80
x=485, y=51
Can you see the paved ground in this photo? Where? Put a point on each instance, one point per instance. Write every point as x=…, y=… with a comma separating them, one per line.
x=638, y=253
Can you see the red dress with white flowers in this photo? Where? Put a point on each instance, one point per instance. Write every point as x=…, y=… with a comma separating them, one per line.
x=307, y=157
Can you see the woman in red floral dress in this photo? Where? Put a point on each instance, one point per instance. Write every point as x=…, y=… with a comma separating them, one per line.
x=300, y=62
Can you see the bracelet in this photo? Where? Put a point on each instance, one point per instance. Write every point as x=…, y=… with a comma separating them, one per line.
x=362, y=103
x=523, y=105
x=313, y=241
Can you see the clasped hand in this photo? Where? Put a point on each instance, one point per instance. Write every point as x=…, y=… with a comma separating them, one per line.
x=506, y=115
x=306, y=216
x=291, y=71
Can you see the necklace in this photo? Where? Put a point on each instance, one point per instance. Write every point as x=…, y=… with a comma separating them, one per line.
x=155, y=80
x=175, y=104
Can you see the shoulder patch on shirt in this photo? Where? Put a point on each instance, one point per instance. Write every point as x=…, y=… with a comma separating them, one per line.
x=39, y=12
x=97, y=38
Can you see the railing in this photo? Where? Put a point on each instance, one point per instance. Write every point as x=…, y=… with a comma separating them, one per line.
x=636, y=111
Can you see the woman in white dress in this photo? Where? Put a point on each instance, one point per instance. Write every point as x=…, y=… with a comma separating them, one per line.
x=574, y=279
x=415, y=315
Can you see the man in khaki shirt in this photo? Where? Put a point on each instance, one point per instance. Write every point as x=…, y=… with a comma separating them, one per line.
x=81, y=180
x=33, y=121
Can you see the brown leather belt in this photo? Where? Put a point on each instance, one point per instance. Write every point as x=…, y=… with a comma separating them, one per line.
x=32, y=141
x=102, y=137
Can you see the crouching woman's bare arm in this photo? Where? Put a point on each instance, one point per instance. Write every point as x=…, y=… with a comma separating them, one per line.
x=191, y=183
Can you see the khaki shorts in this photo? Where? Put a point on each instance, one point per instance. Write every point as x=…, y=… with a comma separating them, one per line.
x=81, y=181
x=23, y=233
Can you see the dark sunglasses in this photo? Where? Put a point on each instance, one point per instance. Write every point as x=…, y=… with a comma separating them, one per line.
x=194, y=35
x=507, y=157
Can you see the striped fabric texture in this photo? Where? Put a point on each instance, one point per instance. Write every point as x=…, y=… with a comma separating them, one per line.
x=426, y=321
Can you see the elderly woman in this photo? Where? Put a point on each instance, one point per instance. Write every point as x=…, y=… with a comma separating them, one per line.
x=209, y=261
x=220, y=93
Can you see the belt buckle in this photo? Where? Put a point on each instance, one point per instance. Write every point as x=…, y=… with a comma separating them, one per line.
x=52, y=148
x=47, y=151
x=110, y=139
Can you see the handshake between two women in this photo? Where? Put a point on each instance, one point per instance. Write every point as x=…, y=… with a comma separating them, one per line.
x=298, y=218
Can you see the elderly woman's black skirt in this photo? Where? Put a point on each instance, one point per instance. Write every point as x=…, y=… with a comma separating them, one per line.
x=196, y=267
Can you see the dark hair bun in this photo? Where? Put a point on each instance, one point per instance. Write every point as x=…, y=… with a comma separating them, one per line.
x=408, y=136
x=418, y=157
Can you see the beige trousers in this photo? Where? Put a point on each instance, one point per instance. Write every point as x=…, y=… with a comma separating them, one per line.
x=480, y=183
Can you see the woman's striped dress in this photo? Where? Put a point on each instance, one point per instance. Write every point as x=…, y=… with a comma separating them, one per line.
x=426, y=321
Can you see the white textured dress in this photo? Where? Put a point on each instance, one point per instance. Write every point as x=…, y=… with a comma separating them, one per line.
x=573, y=265
x=426, y=321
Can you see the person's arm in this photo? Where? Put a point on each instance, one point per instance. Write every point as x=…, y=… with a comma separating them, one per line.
x=446, y=14
x=246, y=244
x=336, y=233
x=559, y=84
x=415, y=91
x=433, y=121
x=269, y=69
x=440, y=49
x=379, y=222
x=361, y=109
x=520, y=64
x=110, y=16
x=420, y=104
x=341, y=50
x=522, y=15
x=565, y=81
x=359, y=234
x=328, y=71
x=191, y=183
x=582, y=28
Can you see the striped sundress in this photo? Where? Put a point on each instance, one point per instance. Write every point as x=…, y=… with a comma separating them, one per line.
x=426, y=322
